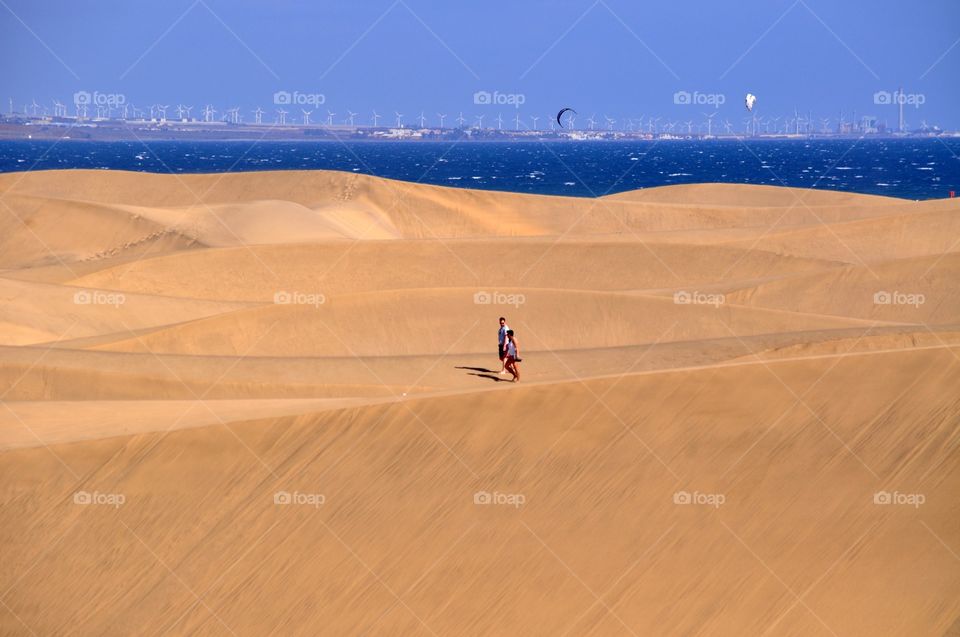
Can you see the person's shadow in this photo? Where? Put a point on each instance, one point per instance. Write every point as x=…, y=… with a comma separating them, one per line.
x=486, y=373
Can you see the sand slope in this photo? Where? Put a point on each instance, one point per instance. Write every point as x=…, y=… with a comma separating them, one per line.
x=723, y=387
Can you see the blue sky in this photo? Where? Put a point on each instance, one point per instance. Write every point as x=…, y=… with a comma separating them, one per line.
x=610, y=57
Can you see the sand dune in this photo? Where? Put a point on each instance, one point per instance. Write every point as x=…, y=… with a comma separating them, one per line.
x=261, y=403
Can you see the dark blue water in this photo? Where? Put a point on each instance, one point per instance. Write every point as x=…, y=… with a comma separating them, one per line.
x=914, y=168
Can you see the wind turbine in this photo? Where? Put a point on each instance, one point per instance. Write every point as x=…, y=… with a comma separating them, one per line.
x=375, y=118
x=281, y=116
x=689, y=127
x=180, y=111
x=330, y=115
x=610, y=122
x=460, y=120
x=517, y=121
x=710, y=123
x=163, y=111
x=350, y=116
x=499, y=121
x=441, y=117
x=591, y=121
x=258, y=116
x=399, y=119
x=306, y=117
x=534, y=118
x=422, y=119
x=728, y=126
x=480, y=121
x=34, y=106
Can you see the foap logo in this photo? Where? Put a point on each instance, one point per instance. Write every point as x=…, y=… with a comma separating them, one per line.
x=96, y=98
x=884, y=498
x=299, y=298
x=84, y=498
x=296, y=98
x=898, y=298
x=715, y=500
x=485, y=498
x=283, y=498
x=686, y=98
x=886, y=98
x=498, y=298
x=98, y=297
x=496, y=98
x=683, y=297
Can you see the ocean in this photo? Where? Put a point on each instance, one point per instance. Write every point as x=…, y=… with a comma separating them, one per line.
x=909, y=168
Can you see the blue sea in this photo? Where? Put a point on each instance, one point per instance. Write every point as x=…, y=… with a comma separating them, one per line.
x=910, y=168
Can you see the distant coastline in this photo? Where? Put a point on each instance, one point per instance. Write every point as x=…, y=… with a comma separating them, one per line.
x=27, y=128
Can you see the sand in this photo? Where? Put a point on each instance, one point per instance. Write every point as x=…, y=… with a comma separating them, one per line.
x=267, y=403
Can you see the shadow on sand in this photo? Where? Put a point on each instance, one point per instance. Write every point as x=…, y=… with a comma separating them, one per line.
x=486, y=373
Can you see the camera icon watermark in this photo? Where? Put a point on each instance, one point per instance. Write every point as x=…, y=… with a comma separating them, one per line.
x=888, y=98
x=296, y=98
x=684, y=297
x=884, y=498
x=283, y=498
x=884, y=297
x=283, y=297
x=96, y=98
x=499, y=298
x=98, y=297
x=485, y=498
x=85, y=498
x=496, y=98
x=715, y=500
x=696, y=98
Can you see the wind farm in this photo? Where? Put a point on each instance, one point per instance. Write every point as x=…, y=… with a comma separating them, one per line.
x=118, y=119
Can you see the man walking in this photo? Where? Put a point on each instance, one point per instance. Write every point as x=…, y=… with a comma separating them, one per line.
x=502, y=345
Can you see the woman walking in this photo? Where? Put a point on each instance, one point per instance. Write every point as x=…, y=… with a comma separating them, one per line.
x=512, y=361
